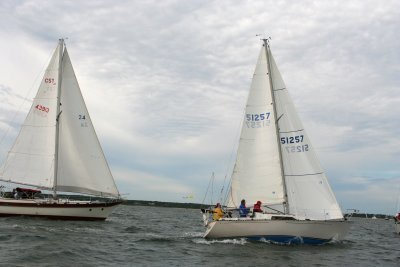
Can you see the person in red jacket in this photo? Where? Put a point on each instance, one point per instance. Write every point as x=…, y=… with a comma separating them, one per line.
x=257, y=207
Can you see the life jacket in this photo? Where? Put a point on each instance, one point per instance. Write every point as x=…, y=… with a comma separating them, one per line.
x=243, y=211
x=217, y=214
x=257, y=208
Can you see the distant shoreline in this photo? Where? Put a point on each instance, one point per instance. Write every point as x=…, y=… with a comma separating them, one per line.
x=130, y=202
x=163, y=204
x=199, y=206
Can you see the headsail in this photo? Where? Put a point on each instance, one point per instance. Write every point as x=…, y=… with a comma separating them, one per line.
x=82, y=166
x=309, y=193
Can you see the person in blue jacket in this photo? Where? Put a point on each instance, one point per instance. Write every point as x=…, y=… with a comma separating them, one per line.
x=243, y=211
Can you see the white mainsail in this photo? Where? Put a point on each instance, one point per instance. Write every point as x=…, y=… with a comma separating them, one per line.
x=31, y=159
x=257, y=174
x=81, y=164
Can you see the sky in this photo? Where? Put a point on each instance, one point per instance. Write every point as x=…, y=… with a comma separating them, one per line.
x=165, y=83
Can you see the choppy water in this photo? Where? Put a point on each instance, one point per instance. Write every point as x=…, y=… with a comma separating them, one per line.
x=152, y=236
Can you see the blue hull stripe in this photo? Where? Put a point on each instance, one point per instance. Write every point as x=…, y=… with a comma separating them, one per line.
x=284, y=239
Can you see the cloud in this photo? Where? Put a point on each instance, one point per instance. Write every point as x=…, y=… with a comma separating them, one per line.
x=371, y=194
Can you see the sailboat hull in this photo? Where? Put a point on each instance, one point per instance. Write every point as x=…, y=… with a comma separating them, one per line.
x=66, y=210
x=279, y=231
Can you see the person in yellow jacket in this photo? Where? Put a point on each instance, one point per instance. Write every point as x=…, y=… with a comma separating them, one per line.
x=217, y=212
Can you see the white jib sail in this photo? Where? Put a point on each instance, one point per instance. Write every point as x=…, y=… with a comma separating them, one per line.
x=257, y=172
x=82, y=166
x=31, y=159
x=309, y=193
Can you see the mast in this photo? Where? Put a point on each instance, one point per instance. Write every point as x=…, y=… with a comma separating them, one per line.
x=267, y=51
x=60, y=56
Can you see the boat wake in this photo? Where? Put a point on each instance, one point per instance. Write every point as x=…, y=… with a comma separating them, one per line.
x=193, y=234
x=241, y=241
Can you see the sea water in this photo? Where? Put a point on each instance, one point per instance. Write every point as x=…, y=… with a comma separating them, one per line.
x=154, y=236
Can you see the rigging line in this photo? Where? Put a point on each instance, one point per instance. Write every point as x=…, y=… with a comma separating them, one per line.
x=232, y=153
x=229, y=193
x=208, y=187
x=24, y=99
x=212, y=187
x=398, y=199
x=236, y=138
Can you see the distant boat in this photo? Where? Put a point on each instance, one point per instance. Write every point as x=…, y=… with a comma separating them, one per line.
x=277, y=165
x=373, y=217
x=57, y=150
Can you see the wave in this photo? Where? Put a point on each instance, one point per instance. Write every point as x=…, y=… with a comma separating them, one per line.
x=239, y=241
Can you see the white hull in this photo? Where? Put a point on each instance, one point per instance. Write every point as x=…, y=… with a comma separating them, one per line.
x=280, y=231
x=397, y=227
x=73, y=210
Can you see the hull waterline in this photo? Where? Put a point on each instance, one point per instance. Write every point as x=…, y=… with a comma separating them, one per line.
x=71, y=210
x=279, y=231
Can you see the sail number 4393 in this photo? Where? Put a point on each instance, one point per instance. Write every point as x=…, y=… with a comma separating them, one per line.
x=42, y=108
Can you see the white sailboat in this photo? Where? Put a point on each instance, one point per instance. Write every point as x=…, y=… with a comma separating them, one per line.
x=57, y=150
x=276, y=164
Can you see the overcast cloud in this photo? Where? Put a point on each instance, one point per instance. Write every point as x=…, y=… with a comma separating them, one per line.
x=165, y=83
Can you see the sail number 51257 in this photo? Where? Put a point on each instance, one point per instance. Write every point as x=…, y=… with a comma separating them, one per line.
x=292, y=139
x=258, y=117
